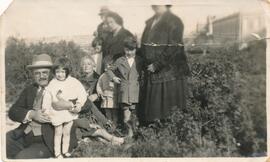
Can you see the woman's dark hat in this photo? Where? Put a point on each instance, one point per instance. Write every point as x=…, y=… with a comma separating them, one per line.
x=104, y=10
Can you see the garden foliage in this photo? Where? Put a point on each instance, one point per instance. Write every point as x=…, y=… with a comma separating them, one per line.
x=226, y=107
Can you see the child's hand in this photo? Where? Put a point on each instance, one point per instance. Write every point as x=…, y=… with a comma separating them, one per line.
x=93, y=97
x=76, y=109
x=59, y=95
x=117, y=80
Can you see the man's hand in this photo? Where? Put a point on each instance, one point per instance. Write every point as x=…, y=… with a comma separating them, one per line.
x=151, y=68
x=39, y=116
x=117, y=80
x=62, y=105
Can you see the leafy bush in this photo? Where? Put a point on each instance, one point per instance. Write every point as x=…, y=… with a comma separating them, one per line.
x=225, y=114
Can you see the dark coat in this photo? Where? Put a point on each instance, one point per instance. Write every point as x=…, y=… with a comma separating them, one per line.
x=130, y=78
x=89, y=83
x=102, y=31
x=19, y=110
x=169, y=58
x=114, y=46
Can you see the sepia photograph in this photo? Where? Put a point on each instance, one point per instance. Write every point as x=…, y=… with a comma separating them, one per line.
x=134, y=79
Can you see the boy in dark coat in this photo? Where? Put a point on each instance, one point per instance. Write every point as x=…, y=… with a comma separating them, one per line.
x=126, y=71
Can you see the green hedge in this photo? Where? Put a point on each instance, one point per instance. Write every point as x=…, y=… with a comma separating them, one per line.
x=225, y=116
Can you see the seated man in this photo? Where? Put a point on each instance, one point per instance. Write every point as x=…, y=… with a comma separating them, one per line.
x=28, y=140
x=34, y=138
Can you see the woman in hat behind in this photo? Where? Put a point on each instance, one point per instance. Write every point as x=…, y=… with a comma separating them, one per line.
x=114, y=46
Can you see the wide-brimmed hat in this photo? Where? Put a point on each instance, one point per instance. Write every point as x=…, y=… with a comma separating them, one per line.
x=104, y=10
x=40, y=61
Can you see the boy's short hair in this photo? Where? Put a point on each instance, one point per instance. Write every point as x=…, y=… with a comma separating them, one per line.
x=62, y=62
x=130, y=43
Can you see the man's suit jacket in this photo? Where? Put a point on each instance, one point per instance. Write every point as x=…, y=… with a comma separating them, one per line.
x=18, y=113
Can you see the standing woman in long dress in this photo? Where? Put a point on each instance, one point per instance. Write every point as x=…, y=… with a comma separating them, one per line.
x=167, y=68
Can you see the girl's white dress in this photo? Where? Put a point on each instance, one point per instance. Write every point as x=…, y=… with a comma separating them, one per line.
x=70, y=89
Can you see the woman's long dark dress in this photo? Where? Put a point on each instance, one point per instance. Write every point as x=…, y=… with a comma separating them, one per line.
x=166, y=87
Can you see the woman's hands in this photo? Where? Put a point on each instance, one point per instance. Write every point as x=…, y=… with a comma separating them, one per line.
x=151, y=68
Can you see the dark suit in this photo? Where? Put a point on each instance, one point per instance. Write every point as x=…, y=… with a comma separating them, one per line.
x=114, y=46
x=21, y=145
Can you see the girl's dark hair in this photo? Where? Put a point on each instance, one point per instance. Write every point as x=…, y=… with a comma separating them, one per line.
x=96, y=42
x=130, y=43
x=117, y=18
x=62, y=62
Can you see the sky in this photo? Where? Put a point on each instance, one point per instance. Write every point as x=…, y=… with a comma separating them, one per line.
x=48, y=18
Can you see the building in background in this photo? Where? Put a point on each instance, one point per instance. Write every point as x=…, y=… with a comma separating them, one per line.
x=237, y=27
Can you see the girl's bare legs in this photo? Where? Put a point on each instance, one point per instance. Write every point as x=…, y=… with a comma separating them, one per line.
x=66, y=136
x=57, y=140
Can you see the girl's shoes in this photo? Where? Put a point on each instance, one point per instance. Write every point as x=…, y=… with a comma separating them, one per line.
x=59, y=156
x=67, y=155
